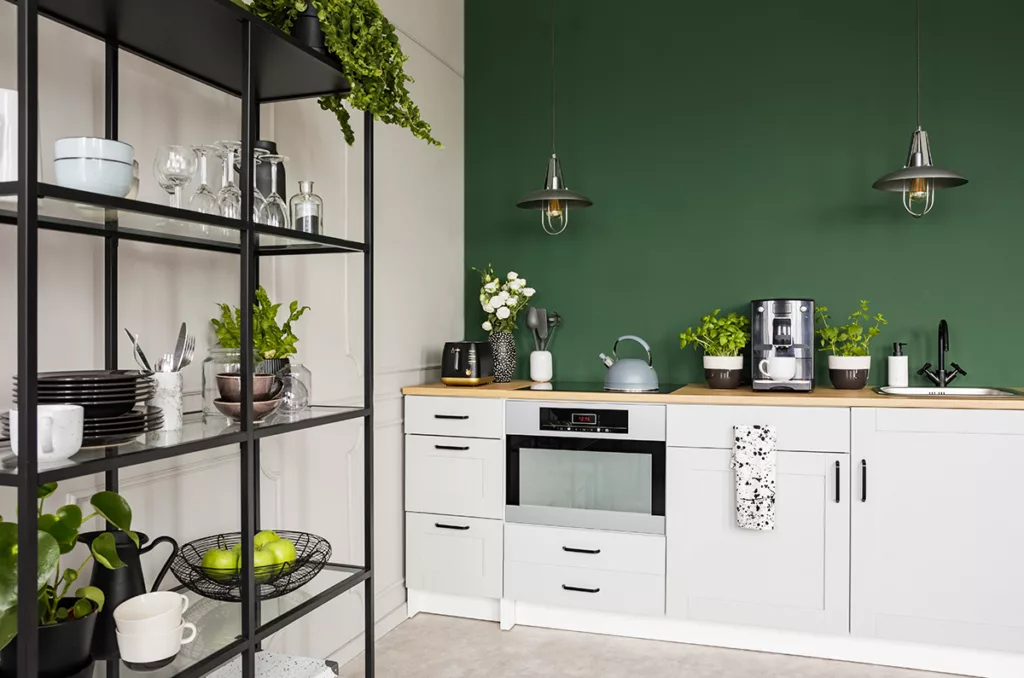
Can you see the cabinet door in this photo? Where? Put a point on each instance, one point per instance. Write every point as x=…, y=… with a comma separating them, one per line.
x=793, y=577
x=455, y=476
x=937, y=541
x=449, y=554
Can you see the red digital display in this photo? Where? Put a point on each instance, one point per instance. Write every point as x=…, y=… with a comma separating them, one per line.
x=584, y=419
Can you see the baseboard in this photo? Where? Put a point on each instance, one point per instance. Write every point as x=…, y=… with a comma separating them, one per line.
x=452, y=606
x=384, y=625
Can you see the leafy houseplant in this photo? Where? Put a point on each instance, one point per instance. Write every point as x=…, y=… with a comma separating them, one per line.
x=849, y=344
x=361, y=37
x=57, y=536
x=270, y=340
x=502, y=301
x=722, y=339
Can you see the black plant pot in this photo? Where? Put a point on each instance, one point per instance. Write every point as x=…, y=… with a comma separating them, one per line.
x=63, y=649
x=848, y=379
x=723, y=378
x=307, y=29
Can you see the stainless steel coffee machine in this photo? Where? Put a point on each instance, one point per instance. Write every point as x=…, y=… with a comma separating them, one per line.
x=782, y=344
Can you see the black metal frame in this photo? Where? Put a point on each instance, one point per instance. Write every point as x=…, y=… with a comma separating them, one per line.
x=30, y=191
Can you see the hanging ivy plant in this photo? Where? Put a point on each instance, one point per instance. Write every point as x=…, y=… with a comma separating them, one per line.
x=365, y=42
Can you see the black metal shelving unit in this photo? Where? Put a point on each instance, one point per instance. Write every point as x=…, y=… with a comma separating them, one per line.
x=225, y=47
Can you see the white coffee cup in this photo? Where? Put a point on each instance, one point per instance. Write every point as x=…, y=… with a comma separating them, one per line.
x=58, y=431
x=778, y=368
x=140, y=648
x=155, y=612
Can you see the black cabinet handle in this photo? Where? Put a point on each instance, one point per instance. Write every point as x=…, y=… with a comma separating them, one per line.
x=580, y=590
x=592, y=552
x=451, y=416
x=837, y=482
x=451, y=527
x=863, y=479
x=451, y=447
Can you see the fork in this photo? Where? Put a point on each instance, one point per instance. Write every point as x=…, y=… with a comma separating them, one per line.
x=189, y=351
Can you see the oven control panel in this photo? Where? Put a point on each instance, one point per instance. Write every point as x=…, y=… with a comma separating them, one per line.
x=584, y=421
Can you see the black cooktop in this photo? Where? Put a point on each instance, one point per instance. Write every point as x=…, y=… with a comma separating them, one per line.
x=591, y=387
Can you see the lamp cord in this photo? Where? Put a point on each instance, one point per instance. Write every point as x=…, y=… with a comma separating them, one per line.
x=553, y=76
x=918, y=64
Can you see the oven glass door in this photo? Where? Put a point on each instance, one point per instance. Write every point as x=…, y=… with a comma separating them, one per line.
x=589, y=483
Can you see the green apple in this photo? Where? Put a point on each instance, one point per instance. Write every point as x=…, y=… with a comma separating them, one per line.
x=219, y=564
x=263, y=562
x=283, y=551
x=265, y=537
x=237, y=550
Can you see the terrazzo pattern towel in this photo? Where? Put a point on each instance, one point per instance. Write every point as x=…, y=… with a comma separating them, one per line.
x=753, y=458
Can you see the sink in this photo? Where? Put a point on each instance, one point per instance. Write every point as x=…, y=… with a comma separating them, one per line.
x=948, y=392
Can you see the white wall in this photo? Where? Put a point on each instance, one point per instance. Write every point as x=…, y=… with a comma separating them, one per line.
x=311, y=480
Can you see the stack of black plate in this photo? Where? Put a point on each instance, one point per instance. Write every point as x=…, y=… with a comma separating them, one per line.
x=109, y=398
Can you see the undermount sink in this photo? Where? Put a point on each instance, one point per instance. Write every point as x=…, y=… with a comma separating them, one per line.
x=948, y=392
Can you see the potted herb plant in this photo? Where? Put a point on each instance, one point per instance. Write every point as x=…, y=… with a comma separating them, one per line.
x=273, y=343
x=358, y=34
x=502, y=301
x=66, y=622
x=850, y=361
x=721, y=339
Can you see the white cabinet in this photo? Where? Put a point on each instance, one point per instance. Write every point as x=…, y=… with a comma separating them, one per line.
x=938, y=542
x=455, y=416
x=455, y=476
x=793, y=577
x=448, y=554
x=799, y=429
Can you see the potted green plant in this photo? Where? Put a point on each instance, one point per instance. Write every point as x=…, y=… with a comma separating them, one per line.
x=502, y=300
x=721, y=339
x=358, y=34
x=66, y=622
x=273, y=343
x=850, y=361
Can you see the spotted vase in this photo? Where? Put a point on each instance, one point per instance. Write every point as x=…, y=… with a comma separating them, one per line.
x=503, y=346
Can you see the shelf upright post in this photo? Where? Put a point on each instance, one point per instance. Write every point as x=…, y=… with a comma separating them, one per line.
x=368, y=608
x=250, y=602
x=28, y=328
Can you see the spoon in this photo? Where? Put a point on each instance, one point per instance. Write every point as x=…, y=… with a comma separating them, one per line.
x=533, y=322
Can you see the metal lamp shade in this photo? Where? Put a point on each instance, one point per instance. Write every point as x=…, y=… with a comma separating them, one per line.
x=554, y=189
x=919, y=166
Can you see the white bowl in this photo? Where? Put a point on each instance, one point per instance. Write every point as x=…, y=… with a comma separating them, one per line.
x=107, y=177
x=91, y=147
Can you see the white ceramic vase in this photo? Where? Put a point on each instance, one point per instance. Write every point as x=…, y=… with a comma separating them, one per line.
x=541, y=368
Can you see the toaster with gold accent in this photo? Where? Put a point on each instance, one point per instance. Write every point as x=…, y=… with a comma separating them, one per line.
x=467, y=363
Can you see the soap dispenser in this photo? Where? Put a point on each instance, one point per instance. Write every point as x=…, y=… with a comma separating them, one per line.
x=899, y=372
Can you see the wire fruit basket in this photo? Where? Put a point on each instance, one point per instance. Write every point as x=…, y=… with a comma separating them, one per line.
x=272, y=581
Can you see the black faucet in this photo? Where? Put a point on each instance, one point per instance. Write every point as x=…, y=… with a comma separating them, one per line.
x=941, y=377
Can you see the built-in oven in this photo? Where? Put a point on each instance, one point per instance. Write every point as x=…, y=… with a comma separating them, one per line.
x=589, y=465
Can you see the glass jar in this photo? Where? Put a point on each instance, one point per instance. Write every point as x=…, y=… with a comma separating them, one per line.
x=297, y=398
x=307, y=209
x=219, y=361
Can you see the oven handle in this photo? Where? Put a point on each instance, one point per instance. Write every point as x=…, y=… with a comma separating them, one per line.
x=592, y=552
x=580, y=590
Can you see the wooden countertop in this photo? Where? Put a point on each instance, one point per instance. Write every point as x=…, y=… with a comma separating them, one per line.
x=699, y=394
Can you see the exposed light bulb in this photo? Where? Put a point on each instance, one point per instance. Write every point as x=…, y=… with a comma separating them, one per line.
x=555, y=208
x=918, y=189
x=554, y=217
x=919, y=196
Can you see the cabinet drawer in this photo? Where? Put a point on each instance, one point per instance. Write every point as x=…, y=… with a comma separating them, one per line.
x=449, y=554
x=800, y=429
x=593, y=549
x=454, y=476
x=440, y=416
x=626, y=592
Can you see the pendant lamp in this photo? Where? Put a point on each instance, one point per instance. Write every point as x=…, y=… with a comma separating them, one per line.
x=554, y=200
x=919, y=179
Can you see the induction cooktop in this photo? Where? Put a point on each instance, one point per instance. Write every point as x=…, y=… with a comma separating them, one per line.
x=590, y=387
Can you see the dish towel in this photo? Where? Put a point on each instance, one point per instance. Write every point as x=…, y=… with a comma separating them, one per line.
x=753, y=458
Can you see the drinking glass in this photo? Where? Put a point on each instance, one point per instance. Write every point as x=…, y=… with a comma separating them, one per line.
x=275, y=211
x=229, y=198
x=204, y=200
x=174, y=167
x=258, y=201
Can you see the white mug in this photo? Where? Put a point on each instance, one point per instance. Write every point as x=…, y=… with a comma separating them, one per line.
x=155, y=612
x=58, y=431
x=778, y=368
x=141, y=648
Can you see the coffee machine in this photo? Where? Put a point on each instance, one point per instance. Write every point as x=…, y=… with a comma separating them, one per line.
x=782, y=344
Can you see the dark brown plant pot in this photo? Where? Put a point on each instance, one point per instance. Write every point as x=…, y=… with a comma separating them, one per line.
x=849, y=379
x=63, y=649
x=723, y=378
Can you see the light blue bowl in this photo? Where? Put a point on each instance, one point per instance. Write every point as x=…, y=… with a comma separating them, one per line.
x=107, y=177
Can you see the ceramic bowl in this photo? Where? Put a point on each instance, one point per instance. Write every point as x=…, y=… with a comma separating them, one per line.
x=91, y=147
x=107, y=177
x=264, y=387
x=260, y=410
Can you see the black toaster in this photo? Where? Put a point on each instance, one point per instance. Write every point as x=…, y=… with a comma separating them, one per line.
x=467, y=363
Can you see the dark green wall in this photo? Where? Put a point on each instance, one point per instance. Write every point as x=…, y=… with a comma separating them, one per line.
x=729, y=149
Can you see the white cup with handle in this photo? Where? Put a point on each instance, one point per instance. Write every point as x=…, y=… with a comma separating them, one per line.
x=155, y=612
x=58, y=431
x=155, y=646
x=778, y=368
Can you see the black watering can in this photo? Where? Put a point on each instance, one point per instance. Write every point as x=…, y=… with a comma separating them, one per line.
x=121, y=584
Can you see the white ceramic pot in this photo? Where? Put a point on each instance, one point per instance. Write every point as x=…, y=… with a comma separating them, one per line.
x=107, y=177
x=849, y=372
x=723, y=371
x=92, y=147
x=541, y=368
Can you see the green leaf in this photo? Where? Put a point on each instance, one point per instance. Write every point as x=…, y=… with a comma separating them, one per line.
x=45, y=490
x=46, y=563
x=83, y=608
x=64, y=535
x=8, y=626
x=104, y=551
x=70, y=575
x=70, y=515
x=116, y=511
x=62, y=614
x=94, y=594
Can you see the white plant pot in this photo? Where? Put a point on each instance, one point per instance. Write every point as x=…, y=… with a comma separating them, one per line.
x=849, y=372
x=541, y=368
x=723, y=371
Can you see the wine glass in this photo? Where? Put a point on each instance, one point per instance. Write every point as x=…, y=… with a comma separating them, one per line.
x=275, y=211
x=174, y=167
x=229, y=198
x=258, y=201
x=204, y=200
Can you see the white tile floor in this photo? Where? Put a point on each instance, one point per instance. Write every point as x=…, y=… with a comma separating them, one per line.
x=430, y=646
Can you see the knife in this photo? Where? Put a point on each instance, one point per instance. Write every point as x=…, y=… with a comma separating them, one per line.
x=179, y=349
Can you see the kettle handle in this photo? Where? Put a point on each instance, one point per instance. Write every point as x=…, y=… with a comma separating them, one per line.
x=650, y=360
x=167, y=566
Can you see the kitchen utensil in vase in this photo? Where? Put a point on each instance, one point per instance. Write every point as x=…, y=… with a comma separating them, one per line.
x=533, y=322
x=542, y=327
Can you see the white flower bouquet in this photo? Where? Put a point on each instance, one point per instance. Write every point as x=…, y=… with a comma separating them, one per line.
x=502, y=300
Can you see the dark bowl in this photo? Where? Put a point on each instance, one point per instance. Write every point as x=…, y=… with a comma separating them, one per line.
x=260, y=410
x=264, y=387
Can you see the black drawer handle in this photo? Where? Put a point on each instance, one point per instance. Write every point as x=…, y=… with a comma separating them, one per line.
x=581, y=590
x=455, y=447
x=837, y=482
x=451, y=527
x=451, y=416
x=863, y=479
x=592, y=552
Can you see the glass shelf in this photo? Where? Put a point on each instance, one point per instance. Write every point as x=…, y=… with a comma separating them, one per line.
x=84, y=213
x=196, y=434
x=219, y=624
